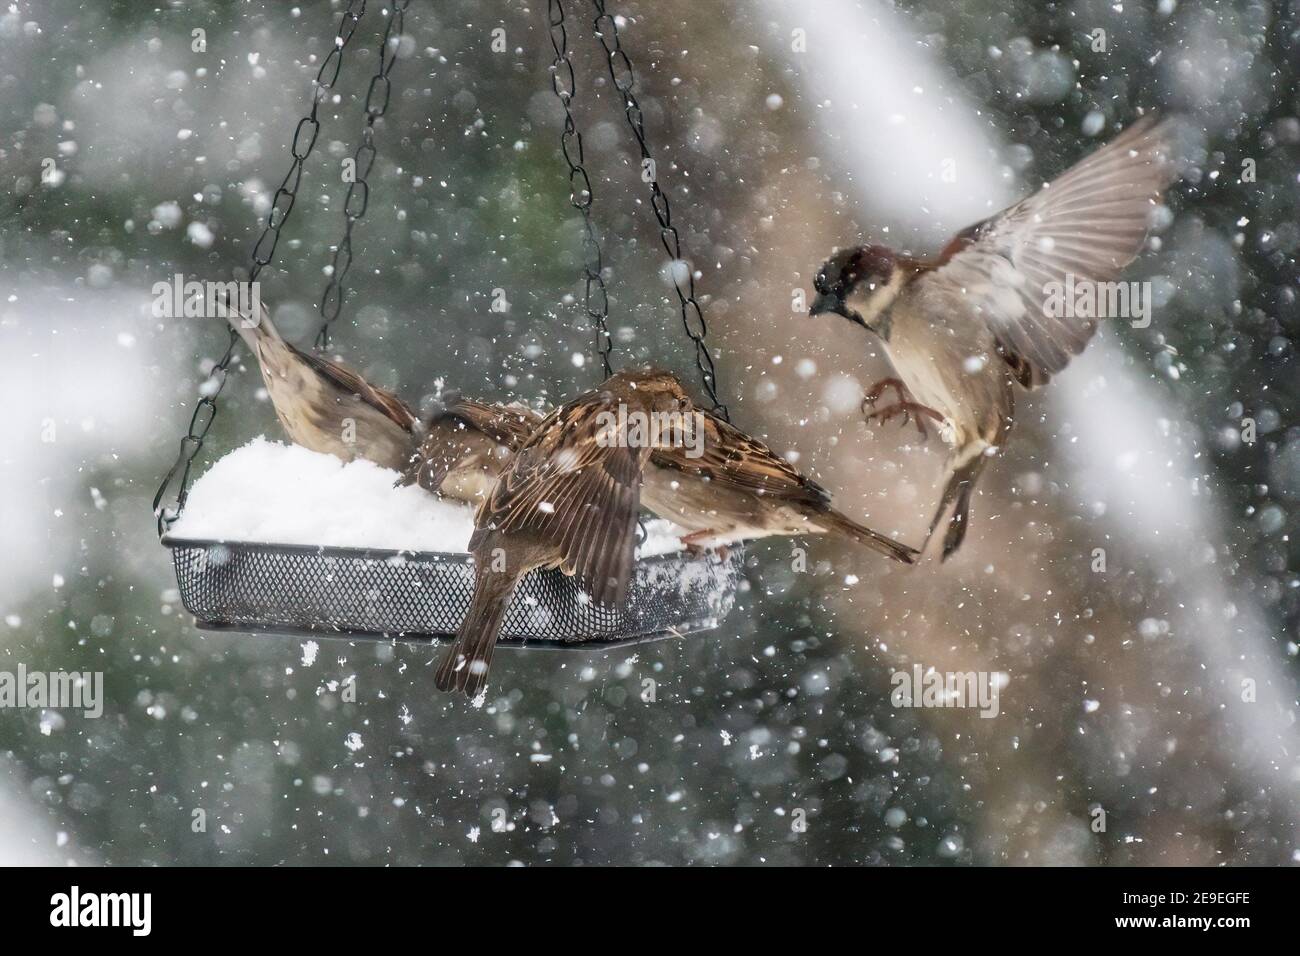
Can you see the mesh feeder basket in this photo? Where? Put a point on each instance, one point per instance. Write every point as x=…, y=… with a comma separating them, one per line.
x=421, y=596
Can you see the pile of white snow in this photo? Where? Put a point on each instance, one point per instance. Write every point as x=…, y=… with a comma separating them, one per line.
x=270, y=492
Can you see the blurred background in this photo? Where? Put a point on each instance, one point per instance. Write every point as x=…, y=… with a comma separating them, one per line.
x=781, y=130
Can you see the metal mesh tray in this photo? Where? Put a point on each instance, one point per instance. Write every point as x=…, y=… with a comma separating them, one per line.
x=422, y=596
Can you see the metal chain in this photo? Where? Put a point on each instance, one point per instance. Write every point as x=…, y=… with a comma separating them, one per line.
x=620, y=73
x=304, y=139
x=363, y=160
x=580, y=197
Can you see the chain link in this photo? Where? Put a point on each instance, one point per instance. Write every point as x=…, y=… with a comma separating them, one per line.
x=595, y=295
x=304, y=140
x=620, y=73
x=357, y=199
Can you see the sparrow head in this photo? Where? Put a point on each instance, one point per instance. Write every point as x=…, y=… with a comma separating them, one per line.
x=856, y=283
x=659, y=389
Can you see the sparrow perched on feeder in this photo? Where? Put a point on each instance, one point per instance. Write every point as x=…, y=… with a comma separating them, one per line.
x=568, y=499
x=325, y=406
x=964, y=329
x=465, y=446
x=570, y=495
x=738, y=489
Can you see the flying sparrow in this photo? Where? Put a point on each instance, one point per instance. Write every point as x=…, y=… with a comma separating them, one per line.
x=570, y=495
x=326, y=406
x=962, y=330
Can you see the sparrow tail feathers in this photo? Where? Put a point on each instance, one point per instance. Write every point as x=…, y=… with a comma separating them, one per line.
x=465, y=666
x=954, y=506
x=838, y=523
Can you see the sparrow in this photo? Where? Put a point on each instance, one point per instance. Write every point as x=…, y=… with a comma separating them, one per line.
x=567, y=499
x=324, y=405
x=465, y=446
x=964, y=330
x=738, y=489
x=570, y=495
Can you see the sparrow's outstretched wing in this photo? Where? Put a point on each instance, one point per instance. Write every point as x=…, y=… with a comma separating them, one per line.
x=733, y=460
x=574, y=488
x=1090, y=222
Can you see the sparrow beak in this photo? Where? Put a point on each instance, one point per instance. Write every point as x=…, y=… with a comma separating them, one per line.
x=827, y=302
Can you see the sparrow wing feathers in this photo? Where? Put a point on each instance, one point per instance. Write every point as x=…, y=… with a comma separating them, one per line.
x=1090, y=222
x=737, y=462
x=507, y=425
x=578, y=492
x=464, y=428
x=346, y=380
x=462, y=431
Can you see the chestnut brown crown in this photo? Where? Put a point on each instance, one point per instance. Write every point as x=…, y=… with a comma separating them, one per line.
x=845, y=271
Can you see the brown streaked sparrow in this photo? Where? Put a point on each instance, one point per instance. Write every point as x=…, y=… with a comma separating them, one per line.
x=568, y=499
x=323, y=405
x=962, y=330
x=465, y=446
x=738, y=489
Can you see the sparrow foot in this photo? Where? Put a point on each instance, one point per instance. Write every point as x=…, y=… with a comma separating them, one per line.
x=911, y=411
x=875, y=391
x=691, y=542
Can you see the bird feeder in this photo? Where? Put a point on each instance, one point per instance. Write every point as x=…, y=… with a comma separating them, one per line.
x=358, y=593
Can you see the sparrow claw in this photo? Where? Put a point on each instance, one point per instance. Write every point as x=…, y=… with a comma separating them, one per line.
x=873, y=394
x=691, y=542
x=911, y=412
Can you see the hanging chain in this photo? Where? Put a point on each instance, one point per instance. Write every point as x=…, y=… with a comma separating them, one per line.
x=620, y=73
x=595, y=295
x=304, y=139
x=363, y=160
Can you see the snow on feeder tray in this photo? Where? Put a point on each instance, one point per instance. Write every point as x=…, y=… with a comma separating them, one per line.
x=245, y=564
x=279, y=539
